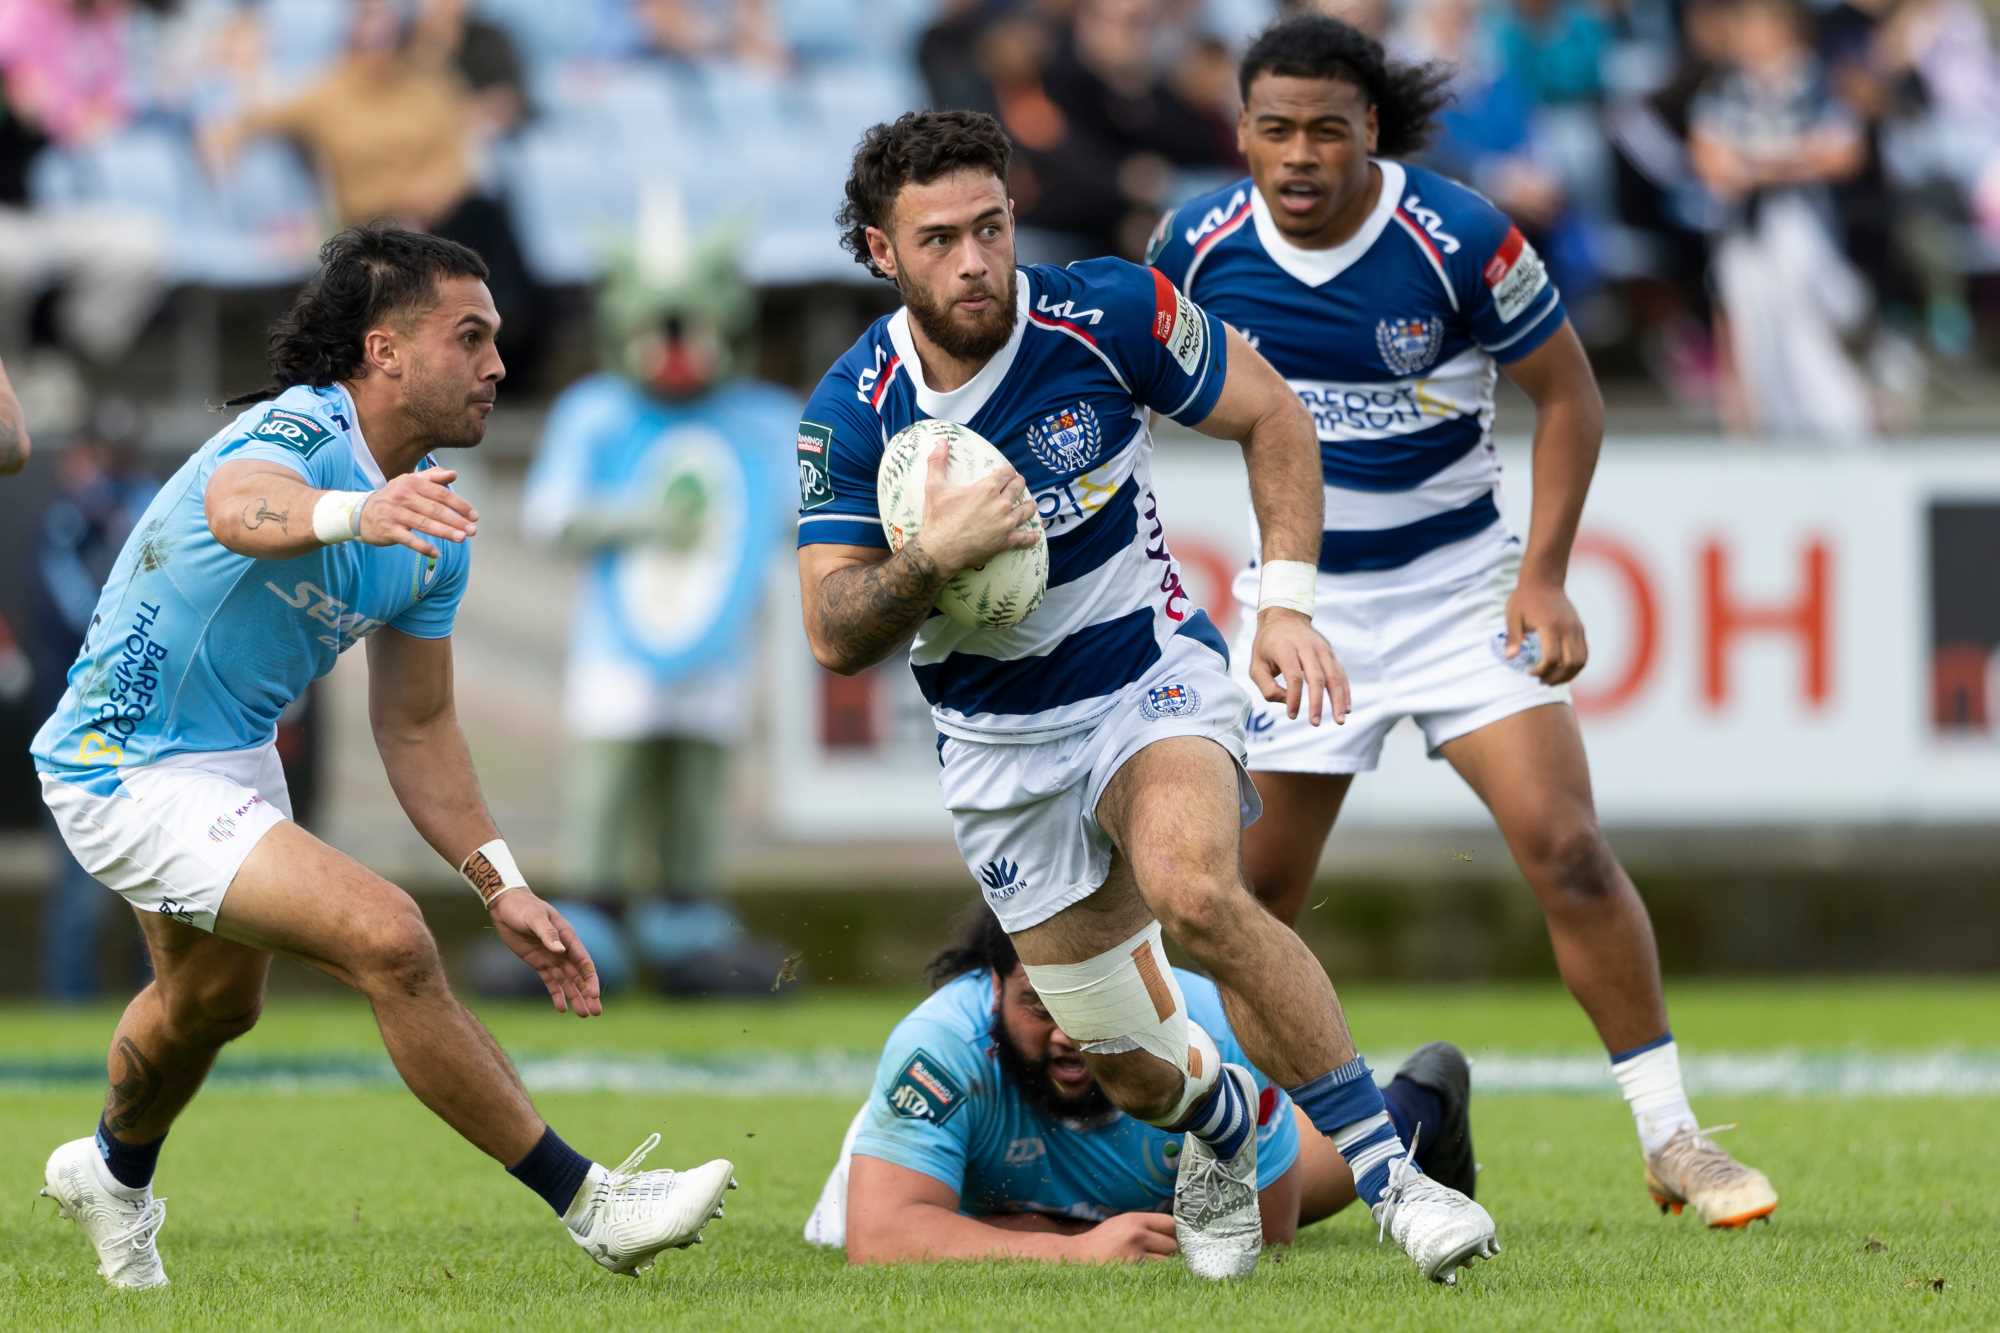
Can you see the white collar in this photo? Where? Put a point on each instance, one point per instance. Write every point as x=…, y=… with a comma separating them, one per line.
x=963, y=403
x=1315, y=268
x=364, y=458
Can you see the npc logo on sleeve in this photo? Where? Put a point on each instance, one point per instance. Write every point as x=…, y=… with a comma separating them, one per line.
x=294, y=430
x=1409, y=345
x=1178, y=325
x=1515, y=274
x=924, y=1091
x=815, y=465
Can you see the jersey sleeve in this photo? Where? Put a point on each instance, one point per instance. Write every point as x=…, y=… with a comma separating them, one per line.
x=1170, y=352
x=436, y=610
x=839, y=448
x=1277, y=1129
x=1505, y=294
x=293, y=440
x=917, y=1114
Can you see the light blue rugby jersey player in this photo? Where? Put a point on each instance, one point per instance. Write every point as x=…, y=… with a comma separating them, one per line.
x=942, y=1104
x=1094, y=347
x=196, y=649
x=1391, y=341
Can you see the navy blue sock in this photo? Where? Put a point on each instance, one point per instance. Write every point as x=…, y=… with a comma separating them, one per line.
x=1223, y=1119
x=130, y=1164
x=1411, y=1104
x=1345, y=1105
x=553, y=1170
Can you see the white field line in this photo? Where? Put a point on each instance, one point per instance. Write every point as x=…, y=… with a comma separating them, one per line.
x=1938, y=1072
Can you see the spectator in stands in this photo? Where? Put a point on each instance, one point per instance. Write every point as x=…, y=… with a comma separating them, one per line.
x=669, y=474
x=692, y=31
x=1107, y=123
x=14, y=445
x=101, y=490
x=1661, y=198
x=1555, y=48
x=486, y=61
x=1768, y=139
x=391, y=128
x=64, y=82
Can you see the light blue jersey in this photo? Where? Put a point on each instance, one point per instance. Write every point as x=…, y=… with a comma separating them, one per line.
x=944, y=1105
x=654, y=611
x=196, y=649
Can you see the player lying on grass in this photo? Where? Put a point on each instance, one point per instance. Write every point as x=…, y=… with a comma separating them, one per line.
x=314, y=520
x=1092, y=755
x=1388, y=297
x=14, y=447
x=986, y=1136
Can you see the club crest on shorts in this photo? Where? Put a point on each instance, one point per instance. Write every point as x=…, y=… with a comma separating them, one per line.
x=1069, y=440
x=1176, y=700
x=1409, y=345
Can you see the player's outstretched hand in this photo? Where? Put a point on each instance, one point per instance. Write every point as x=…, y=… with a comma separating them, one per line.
x=1544, y=610
x=1291, y=663
x=1128, y=1238
x=968, y=525
x=537, y=933
x=415, y=505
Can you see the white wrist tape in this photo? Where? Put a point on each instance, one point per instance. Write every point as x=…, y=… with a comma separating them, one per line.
x=491, y=871
x=1291, y=584
x=337, y=515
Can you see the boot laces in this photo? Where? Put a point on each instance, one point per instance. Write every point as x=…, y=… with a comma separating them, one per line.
x=1401, y=1172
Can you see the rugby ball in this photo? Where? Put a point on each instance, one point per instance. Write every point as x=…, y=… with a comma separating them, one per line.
x=1006, y=589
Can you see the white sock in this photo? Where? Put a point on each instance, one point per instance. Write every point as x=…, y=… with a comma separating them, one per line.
x=1651, y=1082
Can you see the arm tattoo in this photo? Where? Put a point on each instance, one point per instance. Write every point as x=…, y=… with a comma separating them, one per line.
x=265, y=514
x=134, y=1092
x=866, y=610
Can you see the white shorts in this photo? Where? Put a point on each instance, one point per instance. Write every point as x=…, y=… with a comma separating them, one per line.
x=170, y=837
x=1422, y=642
x=1025, y=816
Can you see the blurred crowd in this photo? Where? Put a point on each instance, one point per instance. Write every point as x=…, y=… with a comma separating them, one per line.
x=1788, y=211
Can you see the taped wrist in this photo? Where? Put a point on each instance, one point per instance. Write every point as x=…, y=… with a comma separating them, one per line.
x=491, y=871
x=337, y=515
x=1126, y=999
x=1290, y=584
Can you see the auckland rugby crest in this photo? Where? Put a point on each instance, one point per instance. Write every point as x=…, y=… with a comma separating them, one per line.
x=1409, y=345
x=1067, y=441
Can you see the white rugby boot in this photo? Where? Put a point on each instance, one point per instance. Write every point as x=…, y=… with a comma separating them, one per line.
x=120, y=1222
x=1690, y=1169
x=1216, y=1219
x=1439, y=1228
x=625, y=1218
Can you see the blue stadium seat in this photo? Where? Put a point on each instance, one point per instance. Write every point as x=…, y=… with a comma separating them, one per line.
x=852, y=95
x=572, y=199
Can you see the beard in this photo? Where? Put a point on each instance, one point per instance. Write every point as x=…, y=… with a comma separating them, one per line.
x=963, y=337
x=1039, y=1091
x=442, y=415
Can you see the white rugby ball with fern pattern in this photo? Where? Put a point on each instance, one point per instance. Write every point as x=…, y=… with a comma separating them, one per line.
x=1007, y=588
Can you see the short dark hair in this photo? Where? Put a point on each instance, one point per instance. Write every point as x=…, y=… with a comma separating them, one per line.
x=1406, y=98
x=915, y=148
x=367, y=274
x=978, y=944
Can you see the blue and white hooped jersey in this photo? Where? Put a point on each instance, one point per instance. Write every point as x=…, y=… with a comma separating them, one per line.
x=943, y=1104
x=1389, y=339
x=1094, y=346
x=196, y=649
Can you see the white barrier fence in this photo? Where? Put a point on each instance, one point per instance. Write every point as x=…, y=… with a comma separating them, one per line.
x=1776, y=637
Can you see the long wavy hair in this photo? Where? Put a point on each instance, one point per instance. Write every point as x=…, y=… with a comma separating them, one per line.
x=1406, y=97
x=367, y=275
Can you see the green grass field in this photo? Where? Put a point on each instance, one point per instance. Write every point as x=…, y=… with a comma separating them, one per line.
x=344, y=1205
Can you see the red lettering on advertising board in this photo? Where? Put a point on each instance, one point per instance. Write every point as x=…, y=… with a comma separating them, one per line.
x=1644, y=626
x=1726, y=621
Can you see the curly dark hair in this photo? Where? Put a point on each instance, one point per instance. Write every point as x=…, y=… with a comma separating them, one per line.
x=915, y=148
x=978, y=944
x=1406, y=98
x=367, y=274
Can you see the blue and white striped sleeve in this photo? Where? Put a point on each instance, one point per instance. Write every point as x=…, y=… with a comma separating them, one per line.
x=839, y=452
